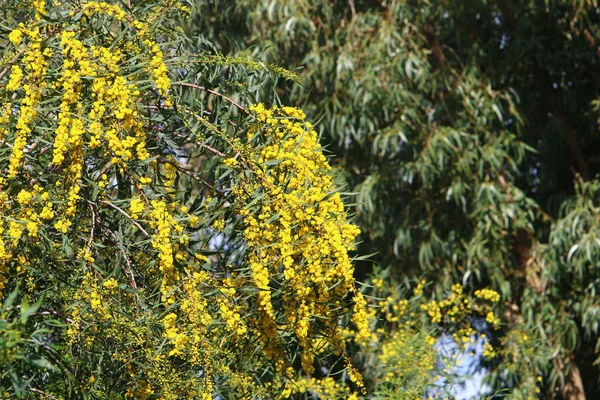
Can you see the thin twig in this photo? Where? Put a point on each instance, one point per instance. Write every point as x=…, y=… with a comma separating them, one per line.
x=202, y=88
x=89, y=246
x=352, y=8
x=197, y=178
x=31, y=147
x=127, y=261
x=42, y=393
x=188, y=139
x=5, y=70
x=211, y=126
x=52, y=312
x=127, y=215
x=212, y=150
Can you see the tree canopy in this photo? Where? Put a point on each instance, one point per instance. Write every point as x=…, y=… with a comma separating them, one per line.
x=173, y=248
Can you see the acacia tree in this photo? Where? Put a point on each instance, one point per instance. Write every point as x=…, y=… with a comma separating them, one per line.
x=174, y=245
x=469, y=133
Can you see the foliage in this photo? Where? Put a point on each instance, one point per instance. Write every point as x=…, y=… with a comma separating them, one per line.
x=406, y=355
x=20, y=349
x=469, y=133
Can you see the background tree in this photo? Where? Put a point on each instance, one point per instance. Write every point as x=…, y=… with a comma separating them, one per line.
x=469, y=133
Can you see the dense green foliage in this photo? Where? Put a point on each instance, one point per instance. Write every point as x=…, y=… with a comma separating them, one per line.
x=469, y=131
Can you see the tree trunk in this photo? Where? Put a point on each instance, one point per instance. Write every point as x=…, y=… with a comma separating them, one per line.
x=573, y=387
x=528, y=256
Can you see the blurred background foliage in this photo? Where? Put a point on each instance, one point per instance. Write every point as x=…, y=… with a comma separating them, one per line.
x=468, y=132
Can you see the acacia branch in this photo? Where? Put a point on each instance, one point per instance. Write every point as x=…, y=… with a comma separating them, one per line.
x=213, y=150
x=202, y=88
x=127, y=215
x=5, y=70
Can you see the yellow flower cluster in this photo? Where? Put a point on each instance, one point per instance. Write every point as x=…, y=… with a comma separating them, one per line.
x=111, y=284
x=394, y=309
x=170, y=171
x=70, y=129
x=179, y=340
x=165, y=226
x=407, y=353
x=35, y=61
x=435, y=309
x=156, y=64
x=194, y=306
x=91, y=293
x=299, y=230
x=326, y=388
x=113, y=10
x=488, y=350
x=198, y=318
x=16, y=74
x=136, y=207
x=230, y=162
x=519, y=348
x=15, y=37
x=158, y=68
x=5, y=114
x=40, y=8
x=28, y=210
x=488, y=294
x=453, y=310
x=409, y=361
x=361, y=319
x=219, y=224
x=230, y=312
